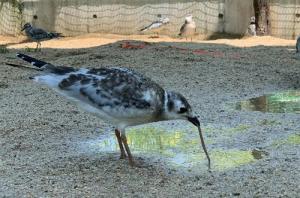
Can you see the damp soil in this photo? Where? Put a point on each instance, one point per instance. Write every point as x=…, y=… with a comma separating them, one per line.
x=51, y=148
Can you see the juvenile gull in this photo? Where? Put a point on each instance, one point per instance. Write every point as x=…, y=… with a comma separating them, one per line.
x=188, y=29
x=38, y=34
x=117, y=95
x=157, y=25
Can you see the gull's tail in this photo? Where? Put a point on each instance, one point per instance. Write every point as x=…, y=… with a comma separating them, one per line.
x=47, y=67
x=32, y=61
x=145, y=28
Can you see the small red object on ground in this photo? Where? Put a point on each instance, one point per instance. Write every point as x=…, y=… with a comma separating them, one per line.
x=128, y=45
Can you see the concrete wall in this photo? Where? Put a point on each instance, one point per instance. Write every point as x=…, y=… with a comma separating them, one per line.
x=75, y=17
x=237, y=16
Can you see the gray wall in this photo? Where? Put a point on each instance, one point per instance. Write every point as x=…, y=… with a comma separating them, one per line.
x=237, y=15
x=75, y=17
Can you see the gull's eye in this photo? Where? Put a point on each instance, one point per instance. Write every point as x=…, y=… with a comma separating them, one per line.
x=182, y=110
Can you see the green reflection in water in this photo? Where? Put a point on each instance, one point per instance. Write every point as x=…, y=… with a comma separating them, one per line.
x=266, y=122
x=282, y=102
x=179, y=148
x=231, y=158
x=238, y=129
x=293, y=139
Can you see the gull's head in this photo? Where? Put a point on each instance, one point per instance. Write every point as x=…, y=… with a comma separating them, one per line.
x=177, y=107
x=252, y=19
x=189, y=18
x=26, y=25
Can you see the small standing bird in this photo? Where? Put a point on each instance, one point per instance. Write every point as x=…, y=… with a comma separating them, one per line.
x=118, y=95
x=188, y=29
x=38, y=34
x=252, y=27
x=298, y=45
x=157, y=25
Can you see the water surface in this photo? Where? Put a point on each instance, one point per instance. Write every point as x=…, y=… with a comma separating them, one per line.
x=178, y=148
x=281, y=102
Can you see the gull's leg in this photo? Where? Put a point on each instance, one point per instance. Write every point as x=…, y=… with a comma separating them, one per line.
x=123, y=154
x=124, y=140
x=40, y=44
x=37, y=46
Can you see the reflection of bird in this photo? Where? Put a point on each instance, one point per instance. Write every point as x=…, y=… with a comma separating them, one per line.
x=38, y=35
x=298, y=45
x=188, y=29
x=156, y=26
x=117, y=95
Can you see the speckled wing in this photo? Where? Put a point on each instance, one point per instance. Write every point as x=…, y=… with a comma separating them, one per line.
x=40, y=34
x=118, y=92
x=118, y=95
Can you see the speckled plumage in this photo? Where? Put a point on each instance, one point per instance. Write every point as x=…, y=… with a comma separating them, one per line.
x=118, y=92
x=125, y=97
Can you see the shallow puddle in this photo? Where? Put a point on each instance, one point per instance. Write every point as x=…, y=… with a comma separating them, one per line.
x=281, y=102
x=177, y=148
x=293, y=139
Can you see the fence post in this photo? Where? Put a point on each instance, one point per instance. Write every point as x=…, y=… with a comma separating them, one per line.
x=262, y=13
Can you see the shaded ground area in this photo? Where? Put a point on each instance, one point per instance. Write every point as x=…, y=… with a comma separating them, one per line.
x=45, y=140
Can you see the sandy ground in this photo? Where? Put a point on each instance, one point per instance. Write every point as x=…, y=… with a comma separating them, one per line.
x=40, y=131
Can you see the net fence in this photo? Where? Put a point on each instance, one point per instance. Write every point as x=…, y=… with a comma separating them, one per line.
x=75, y=17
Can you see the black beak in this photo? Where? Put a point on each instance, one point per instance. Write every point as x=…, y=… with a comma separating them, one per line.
x=194, y=120
x=23, y=29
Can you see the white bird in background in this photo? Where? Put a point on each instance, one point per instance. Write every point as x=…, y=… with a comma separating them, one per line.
x=188, y=29
x=157, y=25
x=252, y=27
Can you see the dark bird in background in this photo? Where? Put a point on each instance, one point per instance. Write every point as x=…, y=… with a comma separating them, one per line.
x=38, y=34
